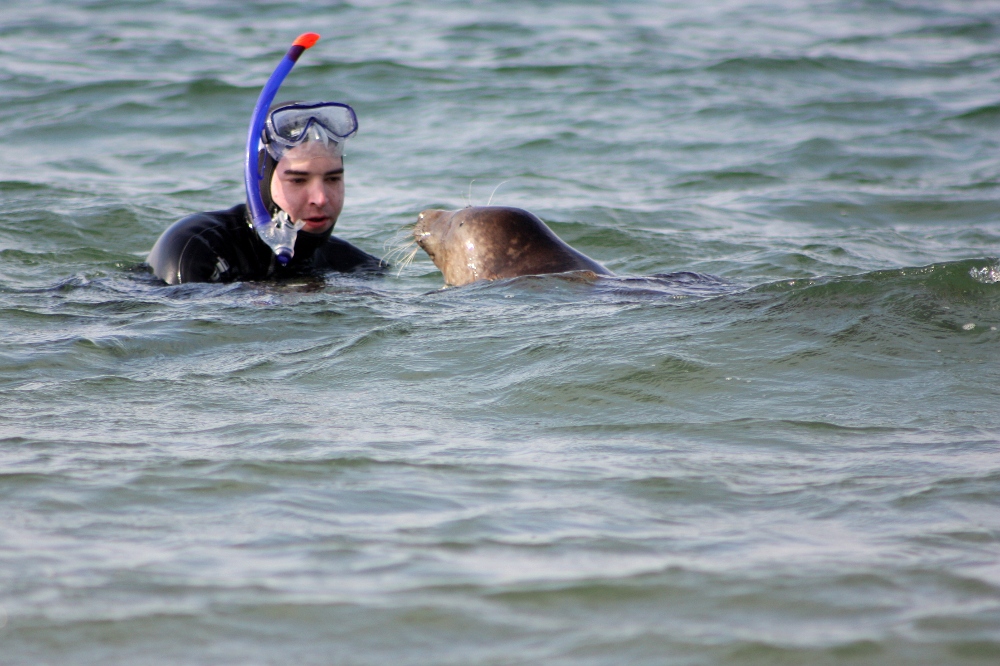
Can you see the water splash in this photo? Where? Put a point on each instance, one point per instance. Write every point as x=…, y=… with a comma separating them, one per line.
x=986, y=274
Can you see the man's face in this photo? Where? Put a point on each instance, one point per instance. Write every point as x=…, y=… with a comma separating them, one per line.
x=308, y=184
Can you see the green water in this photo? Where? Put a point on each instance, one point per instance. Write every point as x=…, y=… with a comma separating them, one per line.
x=773, y=439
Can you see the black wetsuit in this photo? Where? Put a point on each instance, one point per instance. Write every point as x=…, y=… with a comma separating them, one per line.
x=221, y=246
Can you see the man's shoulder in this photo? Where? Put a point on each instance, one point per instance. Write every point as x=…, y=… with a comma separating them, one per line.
x=339, y=255
x=199, y=247
x=230, y=220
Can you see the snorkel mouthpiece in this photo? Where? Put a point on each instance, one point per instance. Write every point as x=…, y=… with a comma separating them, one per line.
x=278, y=233
x=280, y=236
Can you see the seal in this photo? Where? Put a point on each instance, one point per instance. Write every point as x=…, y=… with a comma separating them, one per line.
x=493, y=242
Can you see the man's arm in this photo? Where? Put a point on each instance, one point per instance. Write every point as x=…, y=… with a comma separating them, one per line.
x=189, y=251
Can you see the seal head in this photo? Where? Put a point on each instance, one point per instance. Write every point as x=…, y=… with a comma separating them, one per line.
x=493, y=242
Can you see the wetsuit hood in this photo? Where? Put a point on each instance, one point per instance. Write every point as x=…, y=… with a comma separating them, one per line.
x=267, y=173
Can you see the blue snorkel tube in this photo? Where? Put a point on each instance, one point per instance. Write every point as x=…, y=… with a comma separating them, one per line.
x=279, y=236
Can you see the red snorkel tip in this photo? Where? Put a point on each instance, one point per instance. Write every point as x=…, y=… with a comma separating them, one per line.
x=306, y=40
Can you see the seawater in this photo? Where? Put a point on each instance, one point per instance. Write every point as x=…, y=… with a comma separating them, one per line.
x=784, y=450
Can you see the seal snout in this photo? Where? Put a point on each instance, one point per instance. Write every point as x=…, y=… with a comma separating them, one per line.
x=424, y=228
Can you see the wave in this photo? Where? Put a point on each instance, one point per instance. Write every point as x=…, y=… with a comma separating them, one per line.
x=965, y=279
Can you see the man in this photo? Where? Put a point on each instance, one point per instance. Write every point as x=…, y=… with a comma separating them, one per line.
x=303, y=184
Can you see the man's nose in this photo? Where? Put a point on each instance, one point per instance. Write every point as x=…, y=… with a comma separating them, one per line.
x=317, y=193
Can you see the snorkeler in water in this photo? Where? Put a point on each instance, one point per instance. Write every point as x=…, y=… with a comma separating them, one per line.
x=293, y=200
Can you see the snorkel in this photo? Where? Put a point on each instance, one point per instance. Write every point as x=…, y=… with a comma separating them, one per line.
x=280, y=234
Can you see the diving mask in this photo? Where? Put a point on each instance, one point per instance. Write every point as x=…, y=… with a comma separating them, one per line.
x=330, y=123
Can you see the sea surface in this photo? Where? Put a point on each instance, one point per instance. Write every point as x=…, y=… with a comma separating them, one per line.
x=773, y=438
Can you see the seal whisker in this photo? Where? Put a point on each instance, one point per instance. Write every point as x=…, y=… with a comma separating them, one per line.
x=398, y=251
x=400, y=244
x=468, y=197
x=495, y=191
x=408, y=259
